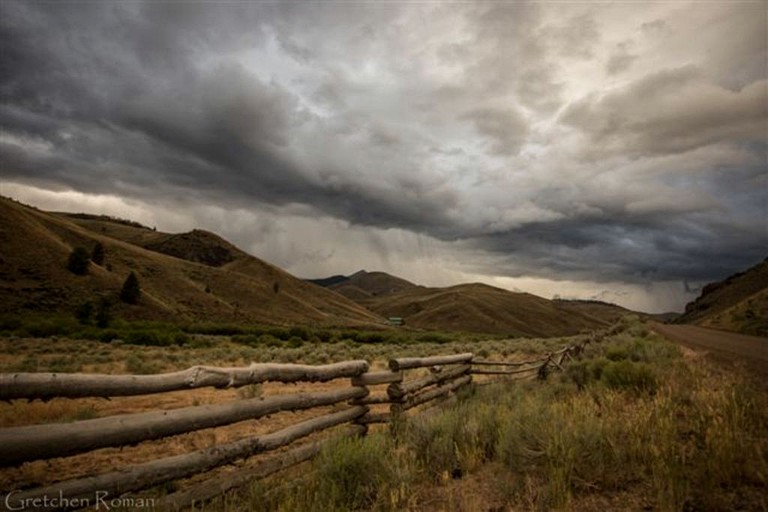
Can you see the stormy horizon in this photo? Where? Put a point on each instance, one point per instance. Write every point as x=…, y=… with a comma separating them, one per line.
x=612, y=152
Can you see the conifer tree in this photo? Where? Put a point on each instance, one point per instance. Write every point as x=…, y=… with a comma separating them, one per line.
x=131, y=289
x=78, y=261
x=97, y=256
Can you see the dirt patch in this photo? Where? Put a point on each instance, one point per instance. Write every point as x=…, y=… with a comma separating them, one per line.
x=481, y=490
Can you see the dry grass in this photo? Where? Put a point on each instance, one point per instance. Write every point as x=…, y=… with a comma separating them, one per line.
x=749, y=316
x=64, y=355
x=696, y=440
x=637, y=424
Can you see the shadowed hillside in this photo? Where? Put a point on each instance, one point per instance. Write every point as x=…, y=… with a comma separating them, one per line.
x=35, y=246
x=472, y=307
x=738, y=303
x=198, y=246
x=362, y=285
x=600, y=311
x=482, y=308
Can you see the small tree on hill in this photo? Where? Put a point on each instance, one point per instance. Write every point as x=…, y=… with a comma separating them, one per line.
x=78, y=261
x=103, y=315
x=131, y=289
x=97, y=256
x=84, y=312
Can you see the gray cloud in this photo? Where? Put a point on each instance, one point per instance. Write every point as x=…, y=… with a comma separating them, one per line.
x=507, y=128
x=670, y=111
x=621, y=59
x=537, y=135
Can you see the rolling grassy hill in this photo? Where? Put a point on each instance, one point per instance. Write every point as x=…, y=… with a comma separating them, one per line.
x=481, y=308
x=198, y=276
x=364, y=285
x=472, y=307
x=738, y=303
x=604, y=312
x=194, y=276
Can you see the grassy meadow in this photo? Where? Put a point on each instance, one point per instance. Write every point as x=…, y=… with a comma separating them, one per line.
x=637, y=423
x=61, y=344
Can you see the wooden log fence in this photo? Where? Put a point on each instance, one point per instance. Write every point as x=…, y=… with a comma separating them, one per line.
x=438, y=377
x=216, y=486
x=23, y=444
x=78, y=385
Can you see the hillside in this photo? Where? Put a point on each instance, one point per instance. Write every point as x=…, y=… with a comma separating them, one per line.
x=200, y=278
x=328, y=281
x=363, y=285
x=604, y=312
x=482, y=308
x=738, y=303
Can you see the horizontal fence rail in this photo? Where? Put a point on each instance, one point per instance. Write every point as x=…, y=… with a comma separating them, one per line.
x=409, y=382
x=405, y=363
x=22, y=444
x=401, y=389
x=484, y=371
x=149, y=474
x=78, y=385
x=216, y=486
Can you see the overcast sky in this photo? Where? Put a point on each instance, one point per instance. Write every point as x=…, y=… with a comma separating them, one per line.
x=594, y=150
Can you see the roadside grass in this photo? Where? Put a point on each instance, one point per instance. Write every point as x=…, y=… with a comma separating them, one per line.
x=633, y=422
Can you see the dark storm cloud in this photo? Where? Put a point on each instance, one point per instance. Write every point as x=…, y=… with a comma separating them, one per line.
x=463, y=122
x=139, y=115
x=627, y=249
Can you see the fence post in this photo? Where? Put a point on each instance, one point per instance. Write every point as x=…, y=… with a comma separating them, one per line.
x=396, y=412
x=544, y=368
x=358, y=382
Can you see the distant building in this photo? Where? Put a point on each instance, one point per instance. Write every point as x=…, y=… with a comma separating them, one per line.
x=395, y=320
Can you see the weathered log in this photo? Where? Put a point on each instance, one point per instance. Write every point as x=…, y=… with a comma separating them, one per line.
x=116, y=483
x=559, y=361
x=73, y=385
x=378, y=417
x=427, y=396
x=401, y=389
x=371, y=400
x=22, y=444
x=373, y=378
x=209, y=489
x=404, y=363
x=507, y=363
x=481, y=371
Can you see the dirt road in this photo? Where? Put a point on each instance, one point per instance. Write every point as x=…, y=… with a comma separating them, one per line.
x=752, y=350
